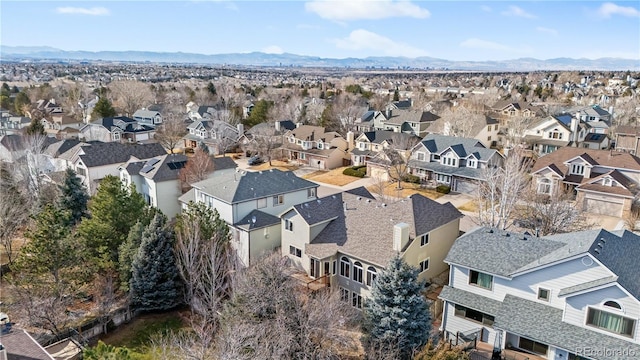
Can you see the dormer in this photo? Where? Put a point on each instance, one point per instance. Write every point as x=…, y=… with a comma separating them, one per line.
x=580, y=165
x=472, y=162
x=449, y=158
x=320, y=145
x=306, y=145
x=555, y=134
x=292, y=139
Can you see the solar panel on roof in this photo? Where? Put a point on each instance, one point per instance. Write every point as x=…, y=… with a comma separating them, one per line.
x=146, y=169
x=152, y=162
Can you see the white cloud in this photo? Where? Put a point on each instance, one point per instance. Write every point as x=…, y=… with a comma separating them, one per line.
x=95, y=11
x=485, y=8
x=273, y=49
x=518, y=12
x=366, y=40
x=474, y=43
x=547, y=30
x=365, y=9
x=609, y=9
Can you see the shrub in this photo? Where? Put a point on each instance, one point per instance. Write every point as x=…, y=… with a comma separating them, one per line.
x=411, y=179
x=444, y=189
x=352, y=171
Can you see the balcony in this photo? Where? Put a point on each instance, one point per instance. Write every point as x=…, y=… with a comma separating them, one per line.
x=310, y=283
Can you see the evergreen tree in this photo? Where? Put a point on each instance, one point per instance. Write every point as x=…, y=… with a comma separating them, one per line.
x=155, y=284
x=103, y=109
x=35, y=127
x=211, y=89
x=127, y=252
x=259, y=113
x=20, y=102
x=397, y=313
x=74, y=196
x=114, y=210
x=396, y=95
x=104, y=351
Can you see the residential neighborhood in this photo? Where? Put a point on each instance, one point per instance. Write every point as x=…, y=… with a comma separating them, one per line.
x=507, y=221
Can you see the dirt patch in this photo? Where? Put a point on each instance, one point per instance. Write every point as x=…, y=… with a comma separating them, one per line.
x=406, y=189
x=471, y=206
x=331, y=177
x=275, y=164
x=136, y=334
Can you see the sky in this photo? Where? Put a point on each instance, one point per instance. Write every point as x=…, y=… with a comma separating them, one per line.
x=452, y=30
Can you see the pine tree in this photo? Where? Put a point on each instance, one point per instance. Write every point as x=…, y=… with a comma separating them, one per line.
x=35, y=127
x=74, y=196
x=154, y=282
x=396, y=95
x=127, y=252
x=397, y=313
x=103, y=109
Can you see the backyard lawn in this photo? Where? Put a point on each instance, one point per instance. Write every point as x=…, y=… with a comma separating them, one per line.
x=137, y=334
x=407, y=189
x=331, y=177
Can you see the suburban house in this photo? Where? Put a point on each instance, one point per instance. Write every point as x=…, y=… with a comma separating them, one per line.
x=551, y=133
x=485, y=129
x=49, y=106
x=566, y=296
x=508, y=109
x=12, y=147
x=593, y=113
x=11, y=124
x=116, y=129
x=265, y=136
x=157, y=179
x=371, y=143
x=312, y=146
x=195, y=112
x=219, y=136
x=94, y=160
x=410, y=121
x=345, y=240
x=628, y=139
x=250, y=203
x=603, y=182
x=148, y=117
x=453, y=161
x=370, y=121
x=62, y=126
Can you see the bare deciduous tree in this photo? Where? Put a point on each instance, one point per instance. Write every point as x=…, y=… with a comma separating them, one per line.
x=547, y=215
x=130, y=95
x=14, y=210
x=396, y=156
x=460, y=121
x=171, y=132
x=499, y=190
x=198, y=168
x=515, y=129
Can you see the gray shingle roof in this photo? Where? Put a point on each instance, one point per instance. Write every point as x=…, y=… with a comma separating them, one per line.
x=438, y=143
x=99, y=154
x=257, y=219
x=320, y=210
x=167, y=167
x=544, y=323
x=225, y=162
x=232, y=187
x=379, y=136
x=470, y=300
x=362, y=192
x=588, y=285
x=466, y=172
x=21, y=346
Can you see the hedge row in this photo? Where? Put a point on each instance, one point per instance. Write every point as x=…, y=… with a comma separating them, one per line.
x=445, y=189
x=357, y=171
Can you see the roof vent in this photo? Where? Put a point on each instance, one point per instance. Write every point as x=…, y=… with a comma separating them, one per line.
x=597, y=251
x=506, y=234
x=603, y=240
x=270, y=170
x=368, y=200
x=600, y=245
x=384, y=205
x=253, y=219
x=490, y=231
x=333, y=196
x=319, y=201
x=359, y=198
x=260, y=172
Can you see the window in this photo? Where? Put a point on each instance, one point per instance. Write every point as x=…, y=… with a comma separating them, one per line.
x=449, y=161
x=495, y=127
x=435, y=157
x=81, y=171
x=613, y=304
x=314, y=268
x=480, y=279
x=262, y=203
x=489, y=128
x=371, y=275
x=606, y=182
x=577, y=169
x=555, y=135
x=334, y=265
x=320, y=146
x=544, y=186
x=295, y=251
x=303, y=156
x=421, y=156
x=116, y=136
x=607, y=321
x=488, y=138
x=278, y=200
x=292, y=139
x=533, y=346
x=543, y=294
x=345, y=266
x=443, y=178
x=311, y=192
x=344, y=294
x=424, y=239
x=357, y=272
x=356, y=301
x=472, y=163
x=424, y=265
x=288, y=224
x=474, y=315
x=362, y=146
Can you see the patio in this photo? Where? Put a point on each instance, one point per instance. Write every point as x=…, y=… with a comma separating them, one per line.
x=483, y=351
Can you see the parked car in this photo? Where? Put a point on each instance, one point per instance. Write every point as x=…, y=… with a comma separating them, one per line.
x=255, y=160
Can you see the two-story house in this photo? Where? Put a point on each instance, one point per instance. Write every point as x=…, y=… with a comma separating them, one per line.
x=604, y=182
x=507, y=109
x=370, y=121
x=482, y=128
x=566, y=296
x=157, y=179
x=453, y=161
x=219, y=136
x=93, y=161
x=551, y=133
x=312, y=146
x=148, y=117
x=116, y=129
x=250, y=203
x=11, y=124
x=345, y=240
x=371, y=143
x=62, y=126
x=410, y=121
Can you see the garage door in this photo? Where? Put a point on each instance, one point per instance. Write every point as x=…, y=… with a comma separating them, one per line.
x=378, y=173
x=602, y=207
x=465, y=186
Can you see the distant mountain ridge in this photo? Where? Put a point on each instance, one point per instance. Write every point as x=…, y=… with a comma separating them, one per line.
x=285, y=59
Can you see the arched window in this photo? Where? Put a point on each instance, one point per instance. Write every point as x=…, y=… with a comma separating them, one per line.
x=371, y=275
x=613, y=304
x=345, y=266
x=357, y=272
x=544, y=186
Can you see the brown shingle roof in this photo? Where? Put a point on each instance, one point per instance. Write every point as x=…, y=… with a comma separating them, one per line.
x=606, y=158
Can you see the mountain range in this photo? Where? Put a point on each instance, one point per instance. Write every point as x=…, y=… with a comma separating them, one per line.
x=285, y=59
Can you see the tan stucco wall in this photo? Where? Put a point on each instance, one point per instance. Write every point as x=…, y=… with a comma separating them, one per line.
x=440, y=242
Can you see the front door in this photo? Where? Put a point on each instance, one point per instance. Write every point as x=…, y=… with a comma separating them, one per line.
x=314, y=268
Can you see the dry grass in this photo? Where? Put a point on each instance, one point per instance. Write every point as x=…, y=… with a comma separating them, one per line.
x=471, y=206
x=407, y=189
x=332, y=177
x=17, y=243
x=275, y=164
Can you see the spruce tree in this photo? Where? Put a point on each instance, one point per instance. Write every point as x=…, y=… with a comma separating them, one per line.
x=103, y=109
x=127, y=253
x=154, y=281
x=397, y=314
x=74, y=196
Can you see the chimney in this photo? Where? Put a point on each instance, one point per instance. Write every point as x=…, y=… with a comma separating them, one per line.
x=387, y=113
x=240, y=129
x=277, y=123
x=298, y=124
x=350, y=139
x=400, y=236
x=578, y=115
x=574, y=130
x=3, y=352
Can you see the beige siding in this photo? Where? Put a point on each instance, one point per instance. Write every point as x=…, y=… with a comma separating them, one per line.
x=440, y=242
x=263, y=241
